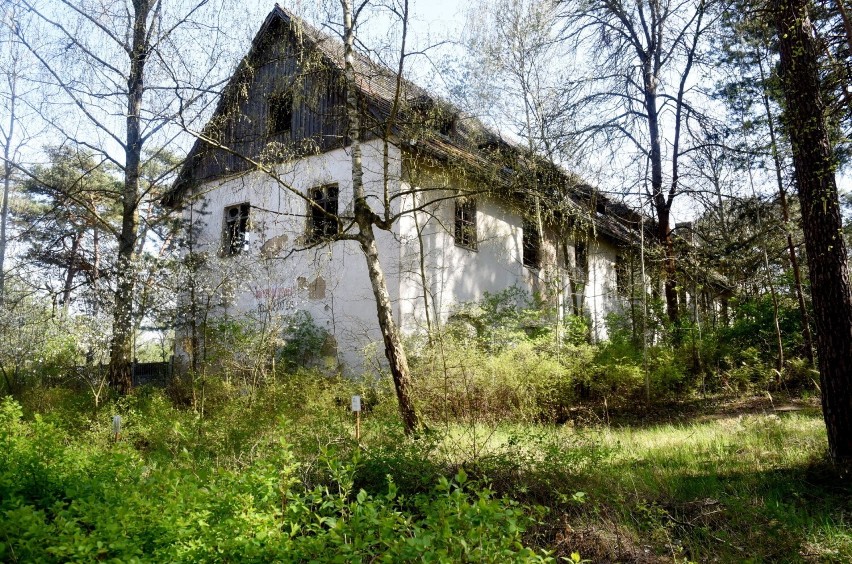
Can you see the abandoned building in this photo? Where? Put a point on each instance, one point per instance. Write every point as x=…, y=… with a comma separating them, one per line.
x=268, y=190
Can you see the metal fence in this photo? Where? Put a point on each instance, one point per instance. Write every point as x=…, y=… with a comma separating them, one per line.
x=152, y=373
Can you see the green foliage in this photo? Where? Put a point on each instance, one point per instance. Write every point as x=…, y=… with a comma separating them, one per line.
x=503, y=357
x=276, y=476
x=37, y=347
x=746, y=371
x=753, y=326
x=303, y=341
x=76, y=497
x=531, y=380
x=246, y=348
x=799, y=374
x=511, y=316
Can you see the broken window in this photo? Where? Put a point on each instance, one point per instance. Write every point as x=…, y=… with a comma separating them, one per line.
x=280, y=113
x=446, y=124
x=323, y=212
x=465, y=225
x=581, y=261
x=236, y=224
x=531, y=245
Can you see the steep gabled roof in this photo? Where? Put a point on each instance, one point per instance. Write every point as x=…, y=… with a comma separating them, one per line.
x=470, y=143
x=377, y=85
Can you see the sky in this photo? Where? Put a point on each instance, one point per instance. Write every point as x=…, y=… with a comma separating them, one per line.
x=444, y=17
x=432, y=22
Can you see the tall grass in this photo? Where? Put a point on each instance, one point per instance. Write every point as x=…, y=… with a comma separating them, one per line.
x=733, y=488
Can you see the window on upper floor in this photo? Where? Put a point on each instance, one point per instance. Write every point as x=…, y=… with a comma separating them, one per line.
x=465, y=223
x=322, y=213
x=531, y=245
x=446, y=125
x=234, y=232
x=581, y=261
x=280, y=114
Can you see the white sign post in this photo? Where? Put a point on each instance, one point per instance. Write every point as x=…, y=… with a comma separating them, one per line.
x=116, y=427
x=356, y=408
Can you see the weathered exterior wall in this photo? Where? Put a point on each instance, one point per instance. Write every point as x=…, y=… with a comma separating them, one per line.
x=272, y=277
x=241, y=125
x=455, y=274
x=269, y=277
x=601, y=296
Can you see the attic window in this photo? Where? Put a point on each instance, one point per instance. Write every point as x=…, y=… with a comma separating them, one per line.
x=234, y=233
x=280, y=113
x=446, y=124
x=322, y=215
x=465, y=224
x=531, y=245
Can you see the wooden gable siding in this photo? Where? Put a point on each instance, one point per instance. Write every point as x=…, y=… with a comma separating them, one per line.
x=241, y=124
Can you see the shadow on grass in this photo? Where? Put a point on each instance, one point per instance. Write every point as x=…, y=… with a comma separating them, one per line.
x=800, y=513
x=694, y=410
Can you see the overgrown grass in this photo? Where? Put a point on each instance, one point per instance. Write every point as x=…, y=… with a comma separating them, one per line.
x=71, y=495
x=743, y=487
x=752, y=487
x=275, y=473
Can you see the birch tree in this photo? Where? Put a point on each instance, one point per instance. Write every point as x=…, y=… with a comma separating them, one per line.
x=126, y=69
x=18, y=126
x=366, y=220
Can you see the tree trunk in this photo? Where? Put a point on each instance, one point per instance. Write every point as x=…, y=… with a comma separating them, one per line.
x=7, y=179
x=71, y=273
x=424, y=280
x=827, y=258
x=394, y=351
x=661, y=205
x=365, y=218
x=122, y=330
x=785, y=211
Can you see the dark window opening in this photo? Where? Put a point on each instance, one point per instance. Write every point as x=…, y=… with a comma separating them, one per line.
x=531, y=245
x=446, y=125
x=236, y=224
x=323, y=212
x=280, y=113
x=581, y=261
x=465, y=225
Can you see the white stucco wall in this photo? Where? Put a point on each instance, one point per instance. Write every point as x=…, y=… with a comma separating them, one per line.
x=601, y=296
x=269, y=275
x=269, y=278
x=456, y=274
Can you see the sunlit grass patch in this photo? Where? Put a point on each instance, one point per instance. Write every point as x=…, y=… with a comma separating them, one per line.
x=732, y=488
x=726, y=488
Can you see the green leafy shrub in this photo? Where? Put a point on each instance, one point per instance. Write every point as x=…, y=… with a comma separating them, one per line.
x=614, y=381
x=667, y=372
x=531, y=380
x=800, y=374
x=80, y=498
x=303, y=341
x=747, y=372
